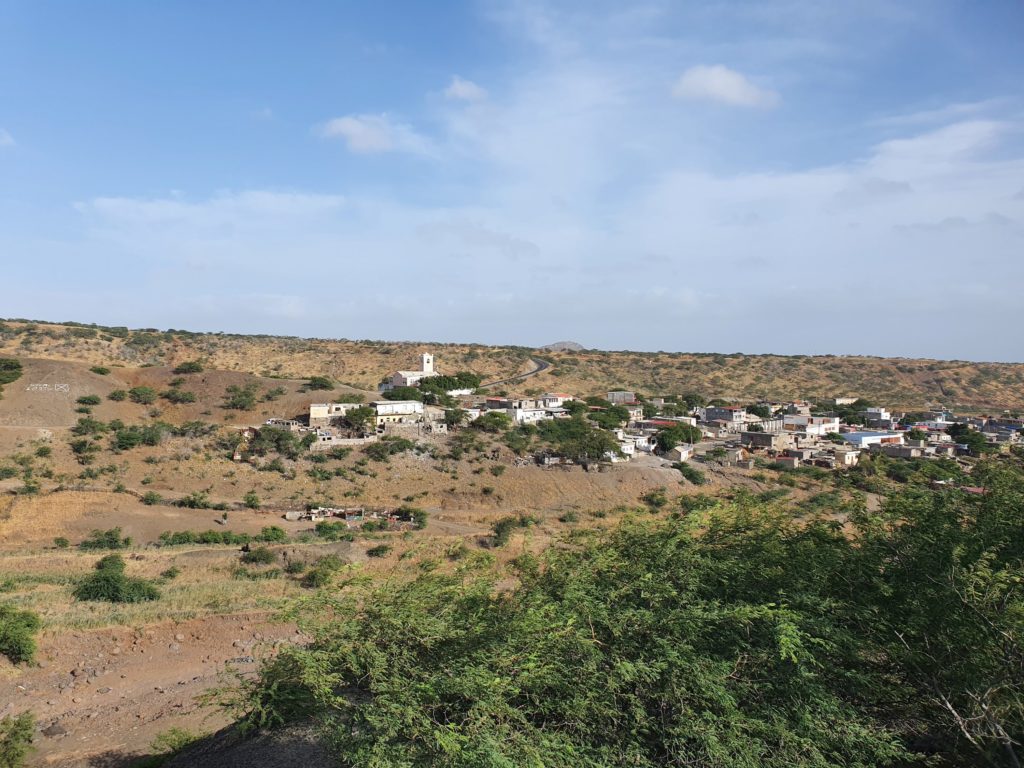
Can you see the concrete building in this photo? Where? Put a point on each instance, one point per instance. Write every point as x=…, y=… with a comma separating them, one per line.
x=321, y=414
x=680, y=453
x=621, y=397
x=398, y=411
x=411, y=378
x=766, y=440
x=880, y=418
x=555, y=399
x=810, y=425
x=867, y=439
x=733, y=414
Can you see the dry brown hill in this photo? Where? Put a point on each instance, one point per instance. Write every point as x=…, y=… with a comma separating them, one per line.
x=898, y=382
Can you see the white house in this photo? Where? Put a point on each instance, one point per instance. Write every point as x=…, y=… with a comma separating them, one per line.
x=411, y=378
x=865, y=439
x=810, y=425
x=680, y=453
x=398, y=411
x=555, y=399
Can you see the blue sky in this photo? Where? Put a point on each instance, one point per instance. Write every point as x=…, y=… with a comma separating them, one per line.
x=791, y=176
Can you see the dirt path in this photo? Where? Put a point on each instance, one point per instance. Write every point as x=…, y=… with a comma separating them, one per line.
x=101, y=696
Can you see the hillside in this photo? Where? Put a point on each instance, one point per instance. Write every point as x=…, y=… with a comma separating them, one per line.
x=898, y=382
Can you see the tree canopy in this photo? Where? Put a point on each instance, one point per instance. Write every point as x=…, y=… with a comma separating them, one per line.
x=730, y=637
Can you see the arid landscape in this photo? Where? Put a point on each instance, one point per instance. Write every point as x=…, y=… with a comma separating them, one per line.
x=111, y=678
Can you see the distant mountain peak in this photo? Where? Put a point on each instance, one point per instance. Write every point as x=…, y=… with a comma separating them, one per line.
x=564, y=346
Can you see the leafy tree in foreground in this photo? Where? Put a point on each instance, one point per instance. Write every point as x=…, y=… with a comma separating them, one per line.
x=731, y=636
x=16, y=734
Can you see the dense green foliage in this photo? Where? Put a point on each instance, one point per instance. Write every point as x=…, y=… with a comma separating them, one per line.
x=10, y=371
x=677, y=434
x=729, y=636
x=189, y=366
x=142, y=395
x=610, y=417
x=445, y=384
x=388, y=446
x=178, y=396
x=259, y=556
x=281, y=441
x=109, y=539
x=177, y=538
x=403, y=393
x=577, y=439
x=109, y=583
x=16, y=734
x=972, y=438
x=319, y=383
x=358, y=419
x=240, y=398
x=18, y=630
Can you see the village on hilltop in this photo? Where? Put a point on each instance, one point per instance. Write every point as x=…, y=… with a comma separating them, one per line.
x=832, y=434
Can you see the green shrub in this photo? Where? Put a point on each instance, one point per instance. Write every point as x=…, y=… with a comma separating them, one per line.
x=89, y=400
x=177, y=538
x=195, y=500
x=321, y=573
x=10, y=370
x=18, y=630
x=251, y=500
x=388, y=447
x=142, y=395
x=273, y=534
x=191, y=366
x=691, y=473
x=110, y=584
x=44, y=451
x=333, y=530
x=171, y=573
x=178, y=397
x=99, y=370
x=240, y=398
x=275, y=393
x=259, y=556
x=319, y=382
x=149, y=498
x=60, y=542
x=16, y=735
x=109, y=539
x=294, y=567
x=118, y=395
x=381, y=550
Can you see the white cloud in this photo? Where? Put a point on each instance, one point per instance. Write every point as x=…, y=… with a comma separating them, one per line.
x=371, y=134
x=6, y=140
x=723, y=85
x=461, y=89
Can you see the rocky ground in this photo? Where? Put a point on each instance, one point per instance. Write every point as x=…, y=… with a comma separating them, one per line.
x=101, y=696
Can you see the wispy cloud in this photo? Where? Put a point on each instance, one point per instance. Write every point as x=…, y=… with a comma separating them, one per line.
x=6, y=140
x=371, y=134
x=718, y=83
x=461, y=89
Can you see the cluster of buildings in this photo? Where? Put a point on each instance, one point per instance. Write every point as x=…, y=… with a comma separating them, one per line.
x=790, y=433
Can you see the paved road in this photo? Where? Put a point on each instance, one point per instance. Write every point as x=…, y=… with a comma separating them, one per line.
x=540, y=365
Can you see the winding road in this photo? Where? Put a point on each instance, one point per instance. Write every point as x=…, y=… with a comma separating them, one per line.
x=540, y=364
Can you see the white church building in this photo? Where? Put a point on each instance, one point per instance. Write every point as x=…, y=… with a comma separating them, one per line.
x=410, y=378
